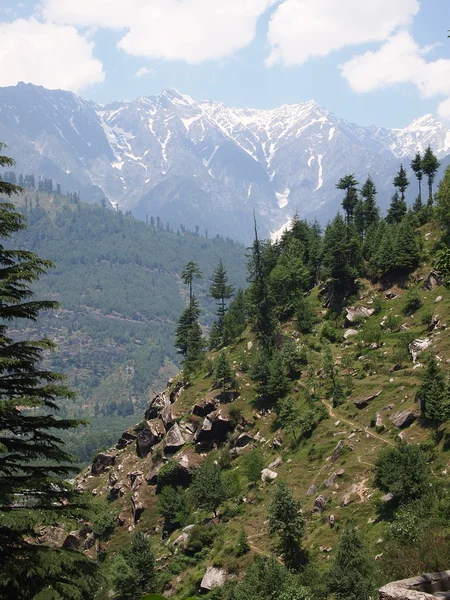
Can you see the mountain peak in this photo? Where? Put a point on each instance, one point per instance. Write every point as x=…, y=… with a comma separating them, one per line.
x=426, y=122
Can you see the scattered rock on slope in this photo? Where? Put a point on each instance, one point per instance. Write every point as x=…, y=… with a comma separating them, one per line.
x=213, y=578
x=418, y=346
x=101, y=462
x=404, y=418
x=150, y=435
x=355, y=314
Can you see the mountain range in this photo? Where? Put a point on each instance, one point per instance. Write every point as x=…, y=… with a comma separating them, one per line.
x=203, y=164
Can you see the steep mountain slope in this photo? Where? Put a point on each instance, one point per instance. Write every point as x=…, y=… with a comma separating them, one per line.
x=202, y=163
x=118, y=284
x=329, y=466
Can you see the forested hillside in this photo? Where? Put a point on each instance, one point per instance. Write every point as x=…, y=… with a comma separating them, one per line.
x=118, y=283
x=305, y=456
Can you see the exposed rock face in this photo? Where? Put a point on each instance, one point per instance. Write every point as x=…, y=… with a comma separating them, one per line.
x=312, y=490
x=355, y=314
x=126, y=439
x=167, y=417
x=137, y=506
x=268, y=475
x=432, y=281
x=72, y=541
x=174, y=394
x=404, y=418
x=156, y=406
x=102, y=462
x=213, y=578
x=418, y=346
x=350, y=333
x=215, y=427
x=174, y=439
x=330, y=480
x=276, y=463
x=364, y=401
x=243, y=440
x=319, y=503
x=150, y=435
x=205, y=407
x=337, y=451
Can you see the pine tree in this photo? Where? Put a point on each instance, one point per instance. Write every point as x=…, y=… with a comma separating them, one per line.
x=134, y=571
x=349, y=185
x=220, y=289
x=189, y=273
x=223, y=373
x=397, y=209
x=401, y=182
x=235, y=319
x=416, y=166
x=288, y=417
x=304, y=315
x=430, y=166
x=371, y=210
x=433, y=394
x=278, y=383
x=243, y=547
x=207, y=489
x=351, y=576
x=286, y=520
x=383, y=258
x=34, y=468
x=359, y=220
x=188, y=317
x=443, y=201
x=406, y=247
x=195, y=350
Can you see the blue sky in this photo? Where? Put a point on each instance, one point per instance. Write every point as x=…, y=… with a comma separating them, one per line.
x=382, y=62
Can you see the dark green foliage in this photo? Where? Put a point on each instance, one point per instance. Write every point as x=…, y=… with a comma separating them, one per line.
x=104, y=522
x=33, y=466
x=190, y=272
x=349, y=185
x=133, y=569
x=253, y=463
x=168, y=476
x=232, y=485
x=287, y=415
x=402, y=471
x=401, y=182
x=207, y=489
x=174, y=507
x=188, y=317
x=434, y=395
x=370, y=208
x=430, y=166
x=397, y=209
x=224, y=376
x=221, y=291
x=265, y=578
x=304, y=315
x=443, y=201
x=330, y=333
x=200, y=537
x=242, y=546
x=416, y=166
x=293, y=358
x=394, y=248
x=235, y=319
x=286, y=520
x=351, y=576
x=413, y=301
x=278, y=384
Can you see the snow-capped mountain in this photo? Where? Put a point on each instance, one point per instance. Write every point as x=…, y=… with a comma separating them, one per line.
x=203, y=163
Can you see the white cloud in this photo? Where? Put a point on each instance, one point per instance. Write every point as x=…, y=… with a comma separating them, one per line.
x=144, y=71
x=444, y=109
x=304, y=29
x=400, y=60
x=189, y=30
x=54, y=56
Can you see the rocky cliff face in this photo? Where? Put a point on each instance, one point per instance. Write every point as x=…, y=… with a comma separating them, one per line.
x=203, y=163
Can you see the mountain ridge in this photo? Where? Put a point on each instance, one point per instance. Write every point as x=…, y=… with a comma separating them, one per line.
x=203, y=163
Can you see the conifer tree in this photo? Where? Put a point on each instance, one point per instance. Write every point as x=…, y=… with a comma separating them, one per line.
x=188, y=317
x=349, y=185
x=430, y=166
x=416, y=166
x=288, y=416
x=371, y=210
x=220, y=289
x=406, y=248
x=401, y=182
x=278, y=384
x=235, y=319
x=223, y=373
x=34, y=468
x=359, y=220
x=207, y=489
x=351, y=576
x=434, y=398
x=134, y=571
x=443, y=201
x=287, y=521
x=189, y=273
x=397, y=209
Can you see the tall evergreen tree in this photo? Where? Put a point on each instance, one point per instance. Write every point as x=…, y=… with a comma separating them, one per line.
x=443, y=201
x=349, y=185
x=406, y=249
x=189, y=273
x=397, y=209
x=220, y=289
x=351, y=576
x=430, y=166
x=34, y=468
x=434, y=399
x=188, y=317
x=223, y=373
x=401, y=182
x=370, y=207
x=416, y=166
x=287, y=521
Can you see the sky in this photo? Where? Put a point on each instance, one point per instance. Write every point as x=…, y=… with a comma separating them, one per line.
x=373, y=62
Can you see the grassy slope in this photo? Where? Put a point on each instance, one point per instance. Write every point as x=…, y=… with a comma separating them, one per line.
x=309, y=462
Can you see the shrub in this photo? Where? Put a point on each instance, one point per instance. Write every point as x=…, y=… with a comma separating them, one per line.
x=426, y=319
x=371, y=333
x=377, y=305
x=413, y=301
x=253, y=465
x=330, y=333
x=201, y=536
x=393, y=323
x=103, y=523
x=402, y=471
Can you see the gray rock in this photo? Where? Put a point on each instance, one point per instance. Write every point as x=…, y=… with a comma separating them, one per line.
x=432, y=281
x=137, y=507
x=174, y=439
x=404, y=418
x=364, y=401
x=102, y=462
x=312, y=490
x=276, y=463
x=127, y=438
x=155, y=407
x=330, y=480
x=387, y=497
x=243, y=440
x=438, y=299
x=150, y=435
x=355, y=314
x=418, y=346
x=332, y=521
x=319, y=503
x=205, y=407
x=175, y=393
x=166, y=416
x=213, y=578
x=379, y=421
x=337, y=451
x=350, y=333
x=268, y=475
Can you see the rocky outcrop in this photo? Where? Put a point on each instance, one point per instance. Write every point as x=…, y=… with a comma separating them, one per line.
x=215, y=427
x=205, y=407
x=357, y=313
x=213, y=578
x=268, y=475
x=175, y=393
x=320, y=503
x=127, y=438
x=404, y=418
x=330, y=480
x=167, y=417
x=150, y=435
x=418, y=346
x=102, y=462
x=432, y=281
x=364, y=401
x=159, y=402
x=243, y=440
x=137, y=507
x=337, y=451
x=174, y=439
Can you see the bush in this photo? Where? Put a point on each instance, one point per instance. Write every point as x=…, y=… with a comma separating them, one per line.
x=371, y=333
x=426, y=319
x=393, y=323
x=201, y=536
x=413, y=301
x=235, y=415
x=402, y=471
x=253, y=465
x=330, y=333
x=377, y=305
x=103, y=523
x=305, y=316
x=174, y=507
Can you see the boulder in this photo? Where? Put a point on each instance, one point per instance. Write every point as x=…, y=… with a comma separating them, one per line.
x=150, y=435
x=332, y=521
x=175, y=393
x=387, y=497
x=102, y=462
x=213, y=578
x=350, y=333
x=125, y=440
x=136, y=479
x=379, y=421
x=340, y=472
x=137, y=507
x=268, y=475
x=418, y=346
x=319, y=503
x=363, y=401
x=432, y=281
x=276, y=463
x=438, y=299
x=155, y=407
x=330, y=480
x=243, y=440
x=204, y=432
x=337, y=451
x=356, y=313
x=404, y=418
x=174, y=439
x=167, y=417
x=215, y=427
x=204, y=407
x=312, y=490
x=72, y=541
